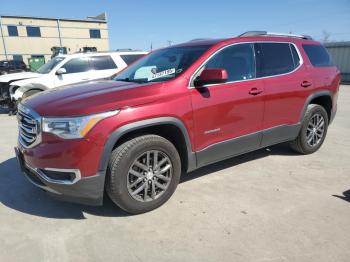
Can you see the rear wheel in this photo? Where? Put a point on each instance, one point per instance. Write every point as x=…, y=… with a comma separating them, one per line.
x=143, y=173
x=313, y=130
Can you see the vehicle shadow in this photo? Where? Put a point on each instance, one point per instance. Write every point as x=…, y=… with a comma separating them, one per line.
x=345, y=196
x=19, y=194
x=281, y=149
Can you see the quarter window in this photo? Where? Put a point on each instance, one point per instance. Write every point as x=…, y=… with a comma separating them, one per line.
x=273, y=59
x=12, y=30
x=318, y=55
x=102, y=62
x=77, y=65
x=33, y=31
x=237, y=60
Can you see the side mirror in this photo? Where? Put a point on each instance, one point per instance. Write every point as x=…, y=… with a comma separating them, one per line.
x=61, y=71
x=211, y=76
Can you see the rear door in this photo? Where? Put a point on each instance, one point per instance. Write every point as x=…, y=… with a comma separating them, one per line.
x=77, y=70
x=287, y=84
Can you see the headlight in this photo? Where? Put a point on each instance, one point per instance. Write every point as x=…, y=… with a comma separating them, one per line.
x=73, y=127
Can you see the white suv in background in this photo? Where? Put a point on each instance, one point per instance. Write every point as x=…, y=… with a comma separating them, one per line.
x=64, y=70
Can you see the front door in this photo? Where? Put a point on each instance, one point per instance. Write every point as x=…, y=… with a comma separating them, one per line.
x=228, y=117
x=77, y=70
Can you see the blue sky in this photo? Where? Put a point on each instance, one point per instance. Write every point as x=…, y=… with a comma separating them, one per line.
x=137, y=24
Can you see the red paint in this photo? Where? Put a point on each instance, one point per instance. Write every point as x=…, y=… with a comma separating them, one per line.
x=210, y=115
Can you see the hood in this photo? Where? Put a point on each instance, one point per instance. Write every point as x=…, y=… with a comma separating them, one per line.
x=92, y=97
x=18, y=76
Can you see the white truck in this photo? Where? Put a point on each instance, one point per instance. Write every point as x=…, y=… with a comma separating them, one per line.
x=63, y=70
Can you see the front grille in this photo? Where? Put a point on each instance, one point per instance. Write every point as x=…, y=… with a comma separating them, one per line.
x=28, y=126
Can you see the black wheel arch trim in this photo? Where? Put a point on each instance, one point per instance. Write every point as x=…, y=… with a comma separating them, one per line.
x=313, y=96
x=118, y=133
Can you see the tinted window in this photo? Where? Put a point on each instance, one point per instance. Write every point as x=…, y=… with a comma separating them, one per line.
x=238, y=60
x=33, y=31
x=273, y=59
x=102, y=62
x=318, y=55
x=12, y=30
x=295, y=55
x=95, y=33
x=77, y=65
x=129, y=59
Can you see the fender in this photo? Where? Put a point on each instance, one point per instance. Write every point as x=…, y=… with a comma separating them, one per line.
x=117, y=134
x=311, y=97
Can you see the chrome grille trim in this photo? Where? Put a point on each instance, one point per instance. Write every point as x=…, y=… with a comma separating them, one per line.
x=29, y=123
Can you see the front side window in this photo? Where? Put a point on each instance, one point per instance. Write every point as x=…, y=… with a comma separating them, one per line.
x=237, y=60
x=163, y=64
x=102, y=62
x=273, y=59
x=95, y=33
x=46, y=68
x=77, y=65
x=12, y=30
x=318, y=55
x=33, y=31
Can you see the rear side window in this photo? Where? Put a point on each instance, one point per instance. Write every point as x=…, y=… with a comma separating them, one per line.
x=102, y=62
x=273, y=59
x=77, y=65
x=318, y=55
x=129, y=59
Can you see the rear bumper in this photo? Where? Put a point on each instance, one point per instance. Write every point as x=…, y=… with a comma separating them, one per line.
x=83, y=190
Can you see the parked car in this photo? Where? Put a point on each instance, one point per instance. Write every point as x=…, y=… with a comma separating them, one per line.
x=12, y=66
x=63, y=70
x=173, y=111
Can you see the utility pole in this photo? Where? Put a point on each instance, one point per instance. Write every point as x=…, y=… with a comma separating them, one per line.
x=3, y=38
x=170, y=42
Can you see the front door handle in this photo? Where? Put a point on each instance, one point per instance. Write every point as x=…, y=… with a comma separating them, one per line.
x=254, y=91
x=306, y=84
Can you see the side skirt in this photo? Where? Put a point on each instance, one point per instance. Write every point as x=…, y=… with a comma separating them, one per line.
x=244, y=144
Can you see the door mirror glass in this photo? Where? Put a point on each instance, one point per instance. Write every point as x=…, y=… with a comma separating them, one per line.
x=61, y=71
x=211, y=76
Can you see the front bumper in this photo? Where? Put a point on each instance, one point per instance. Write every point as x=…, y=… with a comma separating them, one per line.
x=83, y=190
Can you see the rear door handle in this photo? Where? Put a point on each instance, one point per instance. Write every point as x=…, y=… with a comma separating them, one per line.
x=254, y=91
x=306, y=84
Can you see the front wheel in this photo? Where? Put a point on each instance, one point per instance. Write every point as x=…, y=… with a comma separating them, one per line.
x=313, y=130
x=143, y=173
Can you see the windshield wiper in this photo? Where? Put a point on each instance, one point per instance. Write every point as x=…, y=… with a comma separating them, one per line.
x=124, y=79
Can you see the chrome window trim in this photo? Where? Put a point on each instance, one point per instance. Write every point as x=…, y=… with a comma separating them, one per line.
x=190, y=83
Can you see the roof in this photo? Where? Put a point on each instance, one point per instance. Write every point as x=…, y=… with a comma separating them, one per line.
x=89, y=19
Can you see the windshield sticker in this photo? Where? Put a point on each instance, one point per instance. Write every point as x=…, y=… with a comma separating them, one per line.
x=145, y=72
x=162, y=74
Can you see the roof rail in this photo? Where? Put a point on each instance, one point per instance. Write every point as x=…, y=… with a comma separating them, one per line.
x=265, y=33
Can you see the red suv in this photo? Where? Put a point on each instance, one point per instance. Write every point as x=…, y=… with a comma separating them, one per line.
x=173, y=111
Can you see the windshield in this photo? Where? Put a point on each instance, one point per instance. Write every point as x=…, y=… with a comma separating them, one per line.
x=162, y=65
x=46, y=68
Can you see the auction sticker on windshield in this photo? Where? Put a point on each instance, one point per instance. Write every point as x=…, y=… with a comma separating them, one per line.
x=162, y=74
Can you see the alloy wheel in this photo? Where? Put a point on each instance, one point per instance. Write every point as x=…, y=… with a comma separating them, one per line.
x=149, y=176
x=315, y=130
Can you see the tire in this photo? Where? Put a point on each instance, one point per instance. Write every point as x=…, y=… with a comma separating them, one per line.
x=30, y=93
x=308, y=142
x=124, y=172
